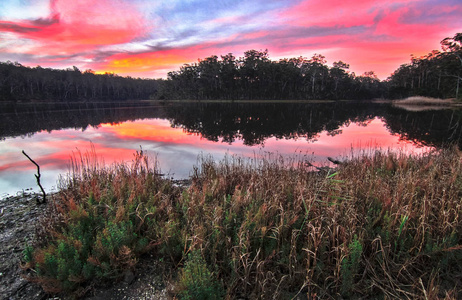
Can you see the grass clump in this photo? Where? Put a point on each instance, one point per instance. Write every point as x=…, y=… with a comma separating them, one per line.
x=99, y=224
x=384, y=225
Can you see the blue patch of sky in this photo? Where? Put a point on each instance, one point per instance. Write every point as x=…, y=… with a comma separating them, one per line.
x=24, y=9
x=181, y=23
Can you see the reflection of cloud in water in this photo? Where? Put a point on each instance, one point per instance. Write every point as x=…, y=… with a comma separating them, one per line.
x=176, y=150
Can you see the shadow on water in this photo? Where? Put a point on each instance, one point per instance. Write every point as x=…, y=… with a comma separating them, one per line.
x=254, y=123
x=251, y=123
x=28, y=119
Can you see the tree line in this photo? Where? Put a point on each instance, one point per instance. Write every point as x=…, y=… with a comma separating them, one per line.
x=255, y=76
x=437, y=74
x=251, y=77
x=21, y=83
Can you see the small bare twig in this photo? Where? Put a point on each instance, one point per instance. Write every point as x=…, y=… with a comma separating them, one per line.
x=423, y=288
x=335, y=161
x=37, y=176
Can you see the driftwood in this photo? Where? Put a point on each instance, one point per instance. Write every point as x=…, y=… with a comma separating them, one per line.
x=335, y=161
x=37, y=176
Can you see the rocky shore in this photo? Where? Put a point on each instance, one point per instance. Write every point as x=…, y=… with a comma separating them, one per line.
x=18, y=216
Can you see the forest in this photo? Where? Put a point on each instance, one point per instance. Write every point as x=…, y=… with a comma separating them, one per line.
x=251, y=77
x=21, y=83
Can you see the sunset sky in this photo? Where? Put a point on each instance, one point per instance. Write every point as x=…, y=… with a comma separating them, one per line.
x=147, y=38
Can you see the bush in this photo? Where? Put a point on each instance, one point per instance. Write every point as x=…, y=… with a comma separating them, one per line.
x=101, y=221
x=382, y=225
x=196, y=281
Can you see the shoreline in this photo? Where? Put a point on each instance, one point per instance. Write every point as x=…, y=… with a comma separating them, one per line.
x=19, y=215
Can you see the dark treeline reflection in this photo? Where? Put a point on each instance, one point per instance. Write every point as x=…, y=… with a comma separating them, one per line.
x=252, y=123
x=27, y=119
x=436, y=128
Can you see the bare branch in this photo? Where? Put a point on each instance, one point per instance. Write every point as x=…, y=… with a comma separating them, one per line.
x=37, y=176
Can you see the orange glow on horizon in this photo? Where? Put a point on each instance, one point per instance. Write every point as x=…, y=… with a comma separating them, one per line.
x=143, y=38
x=153, y=130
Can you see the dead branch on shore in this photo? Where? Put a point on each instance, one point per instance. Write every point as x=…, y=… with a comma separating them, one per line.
x=37, y=176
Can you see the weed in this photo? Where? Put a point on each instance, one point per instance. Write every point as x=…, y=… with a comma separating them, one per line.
x=263, y=228
x=196, y=281
x=350, y=266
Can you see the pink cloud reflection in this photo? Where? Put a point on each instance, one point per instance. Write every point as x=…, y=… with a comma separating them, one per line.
x=176, y=150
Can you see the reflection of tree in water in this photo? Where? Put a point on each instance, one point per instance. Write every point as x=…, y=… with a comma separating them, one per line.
x=252, y=123
x=426, y=128
x=26, y=120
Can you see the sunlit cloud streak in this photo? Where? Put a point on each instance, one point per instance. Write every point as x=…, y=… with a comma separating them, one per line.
x=145, y=38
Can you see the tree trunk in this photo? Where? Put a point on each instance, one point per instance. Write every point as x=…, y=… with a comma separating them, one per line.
x=457, y=88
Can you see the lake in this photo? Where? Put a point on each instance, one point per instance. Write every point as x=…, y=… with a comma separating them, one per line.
x=177, y=134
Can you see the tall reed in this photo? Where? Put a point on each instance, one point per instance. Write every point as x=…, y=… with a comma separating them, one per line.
x=383, y=225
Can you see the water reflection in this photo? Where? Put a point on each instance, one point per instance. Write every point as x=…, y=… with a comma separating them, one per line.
x=177, y=134
x=255, y=123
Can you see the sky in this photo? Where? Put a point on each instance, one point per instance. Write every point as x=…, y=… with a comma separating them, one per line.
x=148, y=38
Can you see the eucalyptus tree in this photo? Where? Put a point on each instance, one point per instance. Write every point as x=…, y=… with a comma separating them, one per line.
x=317, y=71
x=452, y=47
x=21, y=83
x=368, y=86
x=228, y=76
x=208, y=72
x=251, y=68
x=340, y=79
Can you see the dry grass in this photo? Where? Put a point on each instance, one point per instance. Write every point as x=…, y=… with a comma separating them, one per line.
x=385, y=225
x=419, y=103
x=283, y=229
x=419, y=100
x=422, y=102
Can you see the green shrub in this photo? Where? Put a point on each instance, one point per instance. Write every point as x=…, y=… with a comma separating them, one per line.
x=350, y=266
x=100, y=225
x=196, y=281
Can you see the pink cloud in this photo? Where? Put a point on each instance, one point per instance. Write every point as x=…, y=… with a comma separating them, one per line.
x=75, y=26
x=377, y=35
x=369, y=35
x=394, y=25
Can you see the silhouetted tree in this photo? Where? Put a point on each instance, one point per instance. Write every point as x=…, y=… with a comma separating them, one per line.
x=255, y=76
x=20, y=83
x=437, y=74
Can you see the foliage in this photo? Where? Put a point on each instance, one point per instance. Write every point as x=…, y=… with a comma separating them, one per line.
x=99, y=224
x=382, y=225
x=196, y=281
x=255, y=76
x=437, y=74
x=350, y=265
x=20, y=83
x=251, y=77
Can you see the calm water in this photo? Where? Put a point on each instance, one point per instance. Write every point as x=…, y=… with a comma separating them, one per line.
x=178, y=134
